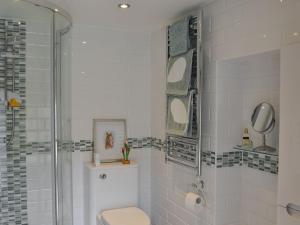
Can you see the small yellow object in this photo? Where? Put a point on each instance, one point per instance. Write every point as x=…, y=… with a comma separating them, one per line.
x=14, y=103
x=246, y=138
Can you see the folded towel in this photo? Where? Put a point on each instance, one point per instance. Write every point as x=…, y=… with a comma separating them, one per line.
x=179, y=37
x=180, y=115
x=179, y=74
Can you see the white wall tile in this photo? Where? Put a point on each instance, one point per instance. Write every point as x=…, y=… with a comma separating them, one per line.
x=235, y=29
x=116, y=59
x=115, y=84
x=39, y=189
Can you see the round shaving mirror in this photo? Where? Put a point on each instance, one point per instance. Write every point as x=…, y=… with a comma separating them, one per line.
x=263, y=121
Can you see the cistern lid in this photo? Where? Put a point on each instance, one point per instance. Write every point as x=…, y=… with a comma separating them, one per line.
x=125, y=216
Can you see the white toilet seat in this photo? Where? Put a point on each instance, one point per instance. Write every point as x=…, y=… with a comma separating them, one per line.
x=125, y=216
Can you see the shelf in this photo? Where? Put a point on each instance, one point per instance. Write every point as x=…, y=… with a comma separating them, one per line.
x=112, y=165
x=253, y=150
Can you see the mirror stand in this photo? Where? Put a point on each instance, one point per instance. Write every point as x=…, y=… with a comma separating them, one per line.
x=264, y=147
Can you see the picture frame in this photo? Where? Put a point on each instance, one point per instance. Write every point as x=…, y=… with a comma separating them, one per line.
x=109, y=136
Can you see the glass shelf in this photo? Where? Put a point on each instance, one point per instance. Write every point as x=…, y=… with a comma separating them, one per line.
x=254, y=150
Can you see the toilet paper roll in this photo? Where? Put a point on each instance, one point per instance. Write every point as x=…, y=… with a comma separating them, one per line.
x=194, y=201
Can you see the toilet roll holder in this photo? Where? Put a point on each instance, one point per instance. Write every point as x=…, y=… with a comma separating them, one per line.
x=198, y=188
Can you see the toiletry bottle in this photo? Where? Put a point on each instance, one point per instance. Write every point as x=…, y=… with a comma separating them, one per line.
x=246, y=138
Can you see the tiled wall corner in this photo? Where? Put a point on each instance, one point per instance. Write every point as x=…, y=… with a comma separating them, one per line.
x=209, y=158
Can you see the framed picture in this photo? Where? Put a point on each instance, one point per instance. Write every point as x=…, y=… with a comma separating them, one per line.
x=109, y=136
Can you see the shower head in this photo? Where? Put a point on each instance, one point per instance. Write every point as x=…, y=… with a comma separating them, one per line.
x=13, y=100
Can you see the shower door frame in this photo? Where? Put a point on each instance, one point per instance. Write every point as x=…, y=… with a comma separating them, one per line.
x=56, y=89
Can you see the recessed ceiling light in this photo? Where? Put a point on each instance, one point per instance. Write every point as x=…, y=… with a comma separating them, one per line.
x=124, y=6
x=84, y=42
x=56, y=10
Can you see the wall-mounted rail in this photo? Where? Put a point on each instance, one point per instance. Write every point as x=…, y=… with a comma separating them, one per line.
x=185, y=149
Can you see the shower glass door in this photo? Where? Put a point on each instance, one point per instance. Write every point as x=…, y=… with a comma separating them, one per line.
x=35, y=136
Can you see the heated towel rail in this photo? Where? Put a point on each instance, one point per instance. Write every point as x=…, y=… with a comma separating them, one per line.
x=186, y=150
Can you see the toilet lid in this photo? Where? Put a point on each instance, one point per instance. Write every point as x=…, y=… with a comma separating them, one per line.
x=125, y=216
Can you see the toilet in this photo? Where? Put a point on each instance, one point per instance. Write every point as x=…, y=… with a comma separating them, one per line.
x=112, y=195
x=123, y=216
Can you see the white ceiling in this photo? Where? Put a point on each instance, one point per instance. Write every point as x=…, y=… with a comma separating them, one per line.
x=143, y=15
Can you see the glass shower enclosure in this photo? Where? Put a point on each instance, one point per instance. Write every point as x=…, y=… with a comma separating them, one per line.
x=35, y=116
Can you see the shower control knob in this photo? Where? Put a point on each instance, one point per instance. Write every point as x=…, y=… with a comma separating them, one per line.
x=103, y=176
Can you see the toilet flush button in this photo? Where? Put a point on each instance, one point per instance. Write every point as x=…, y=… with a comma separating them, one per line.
x=103, y=176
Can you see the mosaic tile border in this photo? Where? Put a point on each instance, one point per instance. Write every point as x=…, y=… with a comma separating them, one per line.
x=45, y=147
x=259, y=161
x=82, y=145
x=253, y=160
x=87, y=145
x=134, y=143
x=158, y=144
x=263, y=162
x=209, y=158
x=37, y=147
x=230, y=159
